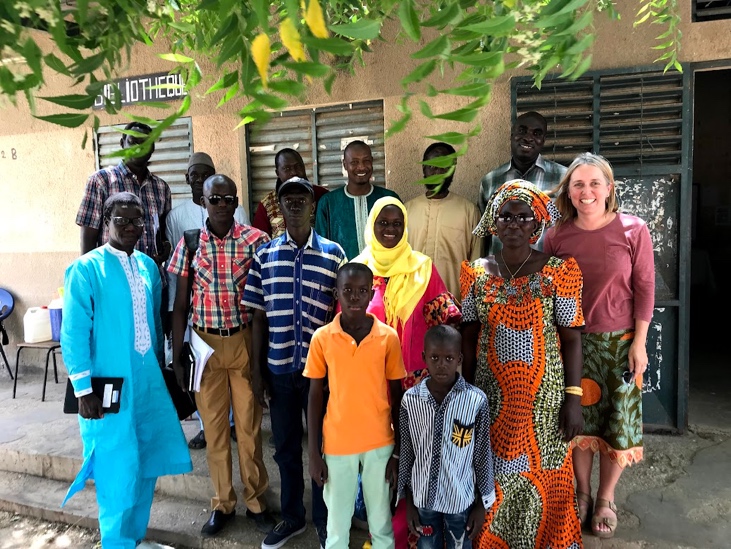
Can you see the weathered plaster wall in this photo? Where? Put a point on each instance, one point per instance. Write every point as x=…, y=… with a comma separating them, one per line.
x=42, y=188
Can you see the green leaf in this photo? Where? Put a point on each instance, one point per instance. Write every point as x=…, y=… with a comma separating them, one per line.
x=232, y=46
x=87, y=65
x=230, y=93
x=336, y=46
x=226, y=81
x=495, y=26
x=443, y=17
x=581, y=45
x=328, y=83
x=227, y=29
x=287, y=86
x=175, y=57
x=364, y=29
x=187, y=28
x=79, y=102
x=67, y=120
x=476, y=89
x=272, y=101
x=261, y=8
x=582, y=68
x=560, y=7
x=84, y=140
x=445, y=161
x=437, y=47
x=318, y=70
x=33, y=55
x=56, y=64
x=142, y=119
x=419, y=73
x=481, y=59
x=409, y=19
x=154, y=104
x=578, y=25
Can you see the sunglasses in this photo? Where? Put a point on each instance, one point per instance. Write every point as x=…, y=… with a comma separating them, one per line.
x=124, y=221
x=229, y=199
x=507, y=219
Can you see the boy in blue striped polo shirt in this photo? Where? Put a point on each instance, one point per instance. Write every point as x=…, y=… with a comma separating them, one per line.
x=446, y=462
x=290, y=287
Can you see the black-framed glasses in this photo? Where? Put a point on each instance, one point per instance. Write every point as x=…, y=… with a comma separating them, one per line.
x=124, y=221
x=520, y=219
x=229, y=199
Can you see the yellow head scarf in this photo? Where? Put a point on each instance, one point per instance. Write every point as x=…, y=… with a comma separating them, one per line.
x=408, y=272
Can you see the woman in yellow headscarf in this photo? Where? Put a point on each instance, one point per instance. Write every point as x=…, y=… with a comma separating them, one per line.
x=408, y=295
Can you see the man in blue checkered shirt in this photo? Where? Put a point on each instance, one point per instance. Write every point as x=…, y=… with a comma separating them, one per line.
x=290, y=287
x=527, y=137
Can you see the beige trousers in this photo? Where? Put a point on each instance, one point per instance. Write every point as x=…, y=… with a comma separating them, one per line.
x=227, y=379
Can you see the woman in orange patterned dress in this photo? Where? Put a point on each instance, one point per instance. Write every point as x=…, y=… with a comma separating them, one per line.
x=522, y=346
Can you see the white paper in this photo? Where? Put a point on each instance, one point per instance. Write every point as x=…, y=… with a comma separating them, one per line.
x=107, y=400
x=201, y=353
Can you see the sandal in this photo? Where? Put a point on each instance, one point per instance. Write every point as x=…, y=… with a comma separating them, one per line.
x=609, y=522
x=585, y=509
x=198, y=442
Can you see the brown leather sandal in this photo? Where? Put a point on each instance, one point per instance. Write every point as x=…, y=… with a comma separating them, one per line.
x=585, y=505
x=609, y=522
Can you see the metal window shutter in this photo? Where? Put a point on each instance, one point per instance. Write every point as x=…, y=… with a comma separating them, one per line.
x=326, y=130
x=169, y=161
x=709, y=10
x=336, y=127
x=291, y=129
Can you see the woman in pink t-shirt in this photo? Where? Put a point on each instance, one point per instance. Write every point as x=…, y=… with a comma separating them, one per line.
x=614, y=252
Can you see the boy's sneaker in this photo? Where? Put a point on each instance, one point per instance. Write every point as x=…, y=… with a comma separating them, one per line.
x=321, y=535
x=281, y=534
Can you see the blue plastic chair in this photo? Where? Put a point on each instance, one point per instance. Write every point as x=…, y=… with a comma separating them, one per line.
x=7, y=304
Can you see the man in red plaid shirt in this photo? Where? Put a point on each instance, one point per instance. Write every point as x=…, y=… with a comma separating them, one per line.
x=220, y=268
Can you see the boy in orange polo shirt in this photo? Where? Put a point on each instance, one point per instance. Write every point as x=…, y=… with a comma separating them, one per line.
x=361, y=359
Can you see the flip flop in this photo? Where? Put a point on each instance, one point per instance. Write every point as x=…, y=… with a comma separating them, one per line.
x=584, y=517
x=609, y=522
x=198, y=442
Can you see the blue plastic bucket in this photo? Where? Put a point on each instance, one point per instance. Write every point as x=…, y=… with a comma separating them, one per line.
x=56, y=318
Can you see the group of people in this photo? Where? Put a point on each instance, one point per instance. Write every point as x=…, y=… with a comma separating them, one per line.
x=460, y=366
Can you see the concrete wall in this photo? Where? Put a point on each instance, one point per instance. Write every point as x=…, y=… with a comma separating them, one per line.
x=43, y=185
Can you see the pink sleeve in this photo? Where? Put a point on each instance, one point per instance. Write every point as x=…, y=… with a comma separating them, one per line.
x=547, y=242
x=643, y=274
x=440, y=306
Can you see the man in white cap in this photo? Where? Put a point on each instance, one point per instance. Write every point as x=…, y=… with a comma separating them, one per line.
x=192, y=215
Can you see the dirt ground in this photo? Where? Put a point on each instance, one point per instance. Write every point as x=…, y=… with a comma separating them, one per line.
x=18, y=532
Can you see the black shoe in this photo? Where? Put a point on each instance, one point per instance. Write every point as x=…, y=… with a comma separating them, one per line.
x=321, y=534
x=281, y=534
x=198, y=442
x=216, y=523
x=265, y=522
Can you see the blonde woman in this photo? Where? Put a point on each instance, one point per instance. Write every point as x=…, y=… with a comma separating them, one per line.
x=614, y=252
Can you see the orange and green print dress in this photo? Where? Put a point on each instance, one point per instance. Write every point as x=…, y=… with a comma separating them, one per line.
x=519, y=367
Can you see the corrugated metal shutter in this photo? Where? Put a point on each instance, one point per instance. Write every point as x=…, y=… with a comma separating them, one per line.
x=632, y=119
x=326, y=130
x=169, y=161
x=338, y=126
x=288, y=130
x=709, y=10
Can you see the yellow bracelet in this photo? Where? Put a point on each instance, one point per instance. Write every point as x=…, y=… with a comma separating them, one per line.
x=574, y=390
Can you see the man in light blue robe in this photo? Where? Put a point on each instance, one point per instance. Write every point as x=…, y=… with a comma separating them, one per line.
x=111, y=328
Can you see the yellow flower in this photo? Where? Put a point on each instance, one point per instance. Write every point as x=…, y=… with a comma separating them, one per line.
x=291, y=39
x=261, y=52
x=315, y=19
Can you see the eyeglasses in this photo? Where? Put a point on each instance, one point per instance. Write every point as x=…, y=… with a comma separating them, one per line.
x=520, y=219
x=229, y=199
x=124, y=221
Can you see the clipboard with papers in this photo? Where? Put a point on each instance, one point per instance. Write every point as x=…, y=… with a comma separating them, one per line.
x=201, y=352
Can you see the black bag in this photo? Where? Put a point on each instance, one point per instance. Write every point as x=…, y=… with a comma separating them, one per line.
x=184, y=401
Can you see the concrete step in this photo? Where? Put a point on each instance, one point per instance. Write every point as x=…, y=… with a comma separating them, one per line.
x=174, y=521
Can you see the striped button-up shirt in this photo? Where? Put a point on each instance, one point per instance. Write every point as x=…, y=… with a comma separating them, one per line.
x=445, y=448
x=221, y=266
x=153, y=192
x=295, y=287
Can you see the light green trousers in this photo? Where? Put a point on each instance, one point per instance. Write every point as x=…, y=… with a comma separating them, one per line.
x=340, y=492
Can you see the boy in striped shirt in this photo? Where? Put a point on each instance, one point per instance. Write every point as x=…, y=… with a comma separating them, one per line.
x=446, y=462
